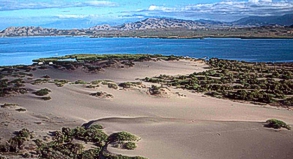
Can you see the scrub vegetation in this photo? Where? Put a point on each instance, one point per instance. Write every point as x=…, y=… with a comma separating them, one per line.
x=262, y=83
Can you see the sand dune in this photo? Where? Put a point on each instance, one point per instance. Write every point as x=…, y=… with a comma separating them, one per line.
x=171, y=138
x=170, y=127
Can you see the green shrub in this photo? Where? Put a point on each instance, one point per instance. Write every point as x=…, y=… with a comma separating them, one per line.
x=129, y=84
x=112, y=85
x=63, y=144
x=97, y=126
x=92, y=86
x=129, y=146
x=122, y=136
x=96, y=82
x=102, y=95
x=80, y=82
x=24, y=133
x=277, y=124
x=125, y=85
x=8, y=105
x=42, y=92
x=90, y=154
x=40, y=81
x=60, y=83
x=289, y=101
x=154, y=90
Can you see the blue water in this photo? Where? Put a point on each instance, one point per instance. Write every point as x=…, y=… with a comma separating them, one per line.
x=14, y=51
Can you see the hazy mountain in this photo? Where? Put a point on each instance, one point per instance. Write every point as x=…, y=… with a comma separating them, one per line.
x=171, y=23
x=164, y=23
x=158, y=24
x=266, y=20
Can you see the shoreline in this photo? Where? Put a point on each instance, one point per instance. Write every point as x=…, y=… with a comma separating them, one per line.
x=160, y=37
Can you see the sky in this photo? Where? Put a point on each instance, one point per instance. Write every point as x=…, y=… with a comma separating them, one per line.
x=86, y=13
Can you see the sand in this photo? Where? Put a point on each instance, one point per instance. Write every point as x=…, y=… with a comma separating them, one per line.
x=188, y=126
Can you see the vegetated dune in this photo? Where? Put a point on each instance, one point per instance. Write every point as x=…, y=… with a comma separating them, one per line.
x=140, y=70
x=195, y=126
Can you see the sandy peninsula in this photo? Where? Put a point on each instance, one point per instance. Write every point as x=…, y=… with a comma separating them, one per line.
x=178, y=123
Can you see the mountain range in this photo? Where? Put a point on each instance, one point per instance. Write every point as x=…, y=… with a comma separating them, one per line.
x=286, y=20
x=166, y=23
x=157, y=25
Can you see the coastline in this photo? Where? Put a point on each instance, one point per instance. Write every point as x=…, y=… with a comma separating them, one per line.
x=160, y=37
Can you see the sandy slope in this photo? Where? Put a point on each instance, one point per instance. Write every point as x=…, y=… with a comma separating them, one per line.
x=171, y=127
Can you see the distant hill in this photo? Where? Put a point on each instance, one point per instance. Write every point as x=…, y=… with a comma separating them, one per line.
x=171, y=23
x=286, y=20
x=164, y=23
x=272, y=26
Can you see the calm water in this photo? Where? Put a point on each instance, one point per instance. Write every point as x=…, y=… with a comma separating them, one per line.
x=23, y=50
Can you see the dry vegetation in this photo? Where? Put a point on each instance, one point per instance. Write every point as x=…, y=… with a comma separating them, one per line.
x=69, y=143
x=269, y=83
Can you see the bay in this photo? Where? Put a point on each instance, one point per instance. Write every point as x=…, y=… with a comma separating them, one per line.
x=22, y=50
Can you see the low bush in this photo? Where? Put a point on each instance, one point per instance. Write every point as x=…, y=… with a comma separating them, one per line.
x=42, y=92
x=46, y=98
x=65, y=144
x=97, y=126
x=102, y=95
x=122, y=136
x=60, y=83
x=8, y=105
x=277, y=124
x=129, y=145
x=80, y=82
x=92, y=86
x=95, y=82
x=112, y=85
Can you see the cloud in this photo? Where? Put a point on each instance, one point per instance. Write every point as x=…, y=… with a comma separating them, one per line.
x=161, y=8
x=225, y=10
x=33, y=4
x=101, y=3
x=70, y=16
x=260, y=1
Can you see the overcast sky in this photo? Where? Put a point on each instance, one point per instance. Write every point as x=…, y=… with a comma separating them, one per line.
x=41, y=12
